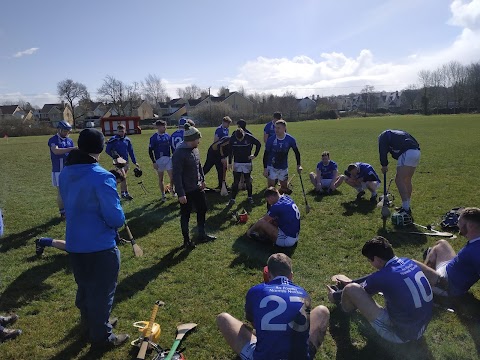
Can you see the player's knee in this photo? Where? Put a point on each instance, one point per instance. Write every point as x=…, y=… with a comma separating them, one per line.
x=321, y=314
x=442, y=244
x=222, y=320
x=352, y=289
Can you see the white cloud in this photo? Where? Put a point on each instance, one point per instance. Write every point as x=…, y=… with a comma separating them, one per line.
x=335, y=73
x=30, y=51
x=34, y=99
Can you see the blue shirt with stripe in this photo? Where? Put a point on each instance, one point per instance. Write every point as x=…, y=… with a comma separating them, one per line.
x=58, y=161
x=160, y=144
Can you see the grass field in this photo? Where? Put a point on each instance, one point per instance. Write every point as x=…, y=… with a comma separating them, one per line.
x=196, y=285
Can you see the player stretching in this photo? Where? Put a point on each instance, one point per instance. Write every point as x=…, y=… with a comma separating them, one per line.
x=275, y=157
x=241, y=145
x=326, y=175
x=281, y=224
x=361, y=176
x=279, y=310
x=159, y=151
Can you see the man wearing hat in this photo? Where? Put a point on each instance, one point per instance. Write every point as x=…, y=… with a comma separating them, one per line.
x=90, y=197
x=60, y=146
x=189, y=183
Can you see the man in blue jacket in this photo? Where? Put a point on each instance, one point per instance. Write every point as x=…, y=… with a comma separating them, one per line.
x=120, y=145
x=404, y=148
x=93, y=214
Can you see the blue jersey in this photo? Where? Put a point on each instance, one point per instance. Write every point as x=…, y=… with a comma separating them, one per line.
x=367, y=172
x=277, y=150
x=327, y=170
x=176, y=138
x=287, y=215
x=464, y=269
x=408, y=295
x=221, y=132
x=269, y=129
x=58, y=161
x=122, y=146
x=395, y=142
x=278, y=311
x=160, y=144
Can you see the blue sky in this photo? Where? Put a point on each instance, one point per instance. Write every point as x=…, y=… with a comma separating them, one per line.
x=309, y=47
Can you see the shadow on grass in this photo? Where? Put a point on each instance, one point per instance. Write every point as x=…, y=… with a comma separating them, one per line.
x=254, y=255
x=30, y=284
x=400, y=237
x=14, y=241
x=340, y=327
x=358, y=206
x=136, y=282
x=146, y=219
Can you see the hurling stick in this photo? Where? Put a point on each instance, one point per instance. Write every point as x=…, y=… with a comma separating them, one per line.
x=137, y=250
x=143, y=348
x=181, y=331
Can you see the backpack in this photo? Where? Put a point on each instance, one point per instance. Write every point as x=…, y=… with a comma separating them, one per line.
x=450, y=219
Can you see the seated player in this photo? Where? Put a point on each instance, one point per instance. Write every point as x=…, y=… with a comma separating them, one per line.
x=361, y=176
x=279, y=310
x=454, y=274
x=407, y=292
x=281, y=224
x=326, y=175
x=8, y=334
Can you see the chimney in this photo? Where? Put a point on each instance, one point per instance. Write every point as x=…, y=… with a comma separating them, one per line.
x=226, y=93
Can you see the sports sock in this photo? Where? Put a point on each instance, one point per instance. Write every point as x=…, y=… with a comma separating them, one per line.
x=45, y=241
x=406, y=204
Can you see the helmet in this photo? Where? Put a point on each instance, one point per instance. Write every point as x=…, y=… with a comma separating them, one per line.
x=182, y=121
x=137, y=172
x=64, y=125
x=241, y=218
x=401, y=219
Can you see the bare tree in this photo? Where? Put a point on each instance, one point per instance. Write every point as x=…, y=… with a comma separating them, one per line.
x=367, y=97
x=424, y=76
x=190, y=92
x=153, y=89
x=473, y=85
x=410, y=95
x=72, y=92
x=114, y=91
x=221, y=91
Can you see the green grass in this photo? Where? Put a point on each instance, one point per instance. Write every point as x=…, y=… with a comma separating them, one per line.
x=215, y=277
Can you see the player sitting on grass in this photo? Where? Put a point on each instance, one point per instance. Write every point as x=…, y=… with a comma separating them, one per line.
x=281, y=224
x=326, y=175
x=407, y=292
x=453, y=274
x=361, y=176
x=275, y=158
x=279, y=310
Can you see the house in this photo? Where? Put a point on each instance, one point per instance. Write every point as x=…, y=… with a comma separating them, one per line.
x=144, y=110
x=11, y=111
x=172, y=110
x=55, y=113
x=306, y=105
x=236, y=100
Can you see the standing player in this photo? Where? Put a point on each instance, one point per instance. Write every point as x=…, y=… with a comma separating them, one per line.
x=407, y=292
x=281, y=224
x=120, y=145
x=242, y=124
x=269, y=129
x=222, y=130
x=279, y=310
x=189, y=182
x=241, y=145
x=275, y=157
x=326, y=175
x=159, y=151
x=217, y=156
x=404, y=148
x=361, y=176
x=60, y=146
x=177, y=137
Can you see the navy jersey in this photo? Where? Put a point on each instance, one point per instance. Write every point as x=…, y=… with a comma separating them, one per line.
x=241, y=150
x=395, y=142
x=464, y=269
x=327, y=170
x=277, y=150
x=58, y=161
x=221, y=132
x=366, y=172
x=122, y=146
x=176, y=138
x=269, y=129
x=287, y=215
x=279, y=311
x=160, y=144
x=408, y=295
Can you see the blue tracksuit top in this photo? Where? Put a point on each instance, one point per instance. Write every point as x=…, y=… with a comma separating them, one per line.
x=123, y=147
